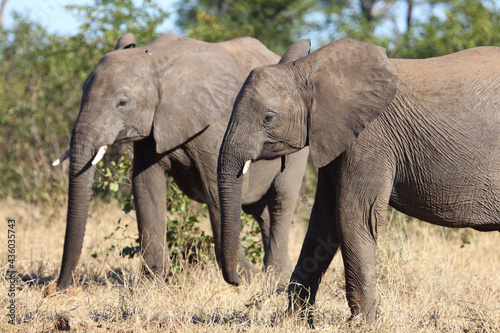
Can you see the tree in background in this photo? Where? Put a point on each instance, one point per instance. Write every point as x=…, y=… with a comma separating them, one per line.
x=411, y=28
x=41, y=75
x=106, y=20
x=465, y=24
x=276, y=23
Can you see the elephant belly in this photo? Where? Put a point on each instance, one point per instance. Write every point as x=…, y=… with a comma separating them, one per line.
x=191, y=187
x=446, y=159
x=185, y=174
x=455, y=201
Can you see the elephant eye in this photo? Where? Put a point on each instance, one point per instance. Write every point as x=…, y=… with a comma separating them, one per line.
x=268, y=118
x=121, y=103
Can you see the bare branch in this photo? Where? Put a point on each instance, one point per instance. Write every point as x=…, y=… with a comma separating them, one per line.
x=409, y=15
x=2, y=7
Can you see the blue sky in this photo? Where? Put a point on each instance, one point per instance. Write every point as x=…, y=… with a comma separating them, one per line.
x=50, y=13
x=53, y=15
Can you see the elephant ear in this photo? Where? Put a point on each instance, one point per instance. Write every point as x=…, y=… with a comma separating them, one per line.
x=297, y=50
x=126, y=41
x=353, y=83
x=197, y=88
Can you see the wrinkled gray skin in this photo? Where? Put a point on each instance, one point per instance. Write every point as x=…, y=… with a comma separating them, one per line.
x=173, y=98
x=420, y=135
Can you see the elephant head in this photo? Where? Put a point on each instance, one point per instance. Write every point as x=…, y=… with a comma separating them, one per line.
x=138, y=93
x=324, y=100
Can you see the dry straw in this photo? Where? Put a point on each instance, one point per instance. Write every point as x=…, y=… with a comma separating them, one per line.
x=430, y=279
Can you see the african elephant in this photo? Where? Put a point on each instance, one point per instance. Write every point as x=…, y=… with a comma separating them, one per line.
x=420, y=135
x=173, y=99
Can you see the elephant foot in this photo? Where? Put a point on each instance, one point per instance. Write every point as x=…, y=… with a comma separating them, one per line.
x=148, y=272
x=156, y=272
x=297, y=318
x=292, y=317
x=356, y=321
x=276, y=280
x=248, y=272
x=362, y=313
x=299, y=303
x=52, y=290
x=361, y=321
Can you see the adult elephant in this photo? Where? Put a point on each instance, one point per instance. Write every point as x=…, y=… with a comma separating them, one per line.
x=420, y=135
x=173, y=98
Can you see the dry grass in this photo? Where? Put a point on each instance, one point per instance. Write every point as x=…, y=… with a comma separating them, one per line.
x=428, y=281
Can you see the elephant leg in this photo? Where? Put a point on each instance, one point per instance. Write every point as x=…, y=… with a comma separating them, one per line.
x=278, y=217
x=320, y=245
x=150, y=191
x=359, y=241
x=279, y=212
x=362, y=206
x=264, y=221
x=274, y=221
x=276, y=259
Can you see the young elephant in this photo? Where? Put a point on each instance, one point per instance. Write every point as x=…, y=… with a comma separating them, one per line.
x=420, y=135
x=173, y=98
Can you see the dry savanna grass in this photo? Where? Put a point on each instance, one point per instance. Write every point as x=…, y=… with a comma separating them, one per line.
x=430, y=279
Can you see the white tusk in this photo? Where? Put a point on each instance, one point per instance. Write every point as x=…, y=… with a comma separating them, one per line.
x=62, y=158
x=100, y=154
x=246, y=166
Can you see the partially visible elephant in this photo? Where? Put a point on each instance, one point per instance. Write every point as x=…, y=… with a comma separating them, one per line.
x=173, y=98
x=420, y=135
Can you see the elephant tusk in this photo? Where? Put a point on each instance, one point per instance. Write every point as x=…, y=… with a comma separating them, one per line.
x=62, y=158
x=100, y=154
x=246, y=166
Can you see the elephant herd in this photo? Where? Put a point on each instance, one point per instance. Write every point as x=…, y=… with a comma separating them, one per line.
x=233, y=124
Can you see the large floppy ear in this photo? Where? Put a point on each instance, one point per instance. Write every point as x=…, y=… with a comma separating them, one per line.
x=297, y=50
x=126, y=41
x=352, y=84
x=197, y=88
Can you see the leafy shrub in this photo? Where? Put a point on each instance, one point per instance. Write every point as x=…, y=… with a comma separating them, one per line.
x=185, y=240
x=251, y=239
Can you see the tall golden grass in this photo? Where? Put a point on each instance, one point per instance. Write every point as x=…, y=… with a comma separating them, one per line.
x=430, y=279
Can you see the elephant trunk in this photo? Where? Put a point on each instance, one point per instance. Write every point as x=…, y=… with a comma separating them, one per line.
x=230, y=175
x=80, y=187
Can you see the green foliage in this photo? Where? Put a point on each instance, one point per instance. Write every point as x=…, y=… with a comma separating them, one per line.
x=114, y=177
x=38, y=75
x=357, y=20
x=251, y=239
x=185, y=240
x=40, y=79
x=466, y=24
x=106, y=20
x=276, y=23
